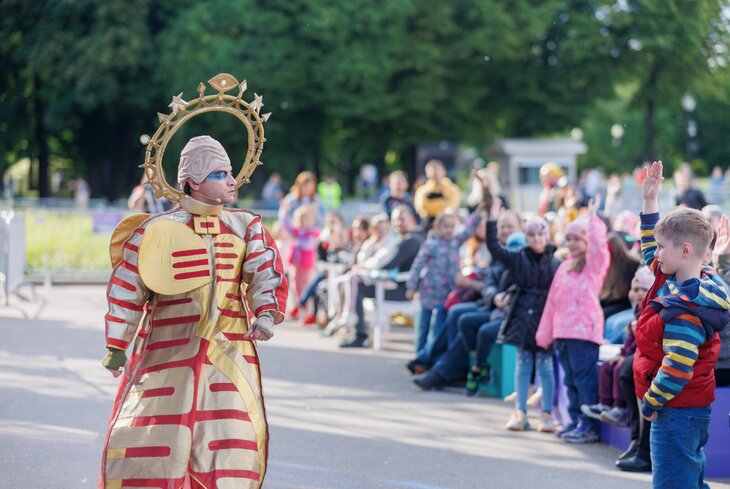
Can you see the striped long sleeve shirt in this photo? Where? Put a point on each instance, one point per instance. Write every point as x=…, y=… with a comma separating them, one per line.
x=683, y=333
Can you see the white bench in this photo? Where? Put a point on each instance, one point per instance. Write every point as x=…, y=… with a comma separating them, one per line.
x=381, y=309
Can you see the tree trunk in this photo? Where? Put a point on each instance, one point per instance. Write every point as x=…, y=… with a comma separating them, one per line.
x=40, y=135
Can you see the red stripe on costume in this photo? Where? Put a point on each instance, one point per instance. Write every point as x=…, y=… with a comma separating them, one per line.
x=159, y=419
x=176, y=320
x=135, y=452
x=266, y=265
x=186, y=275
x=222, y=244
x=167, y=344
x=224, y=266
x=192, y=263
x=265, y=307
x=255, y=254
x=223, y=387
x=233, y=297
x=236, y=474
x=131, y=247
x=206, y=224
x=125, y=304
x=146, y=483
x=221, y=414
x=159, y=392
x=128, y=266
x=174, y=302
x=226, y=256
x=125, y=285
x=117, y=343
x=139, y=231
x=253, y=360
x=232, y=314
x=235, y=336
x=113, y=319
x=221, y=279
x=232, y=444
x=257, y=237
x=177, y=254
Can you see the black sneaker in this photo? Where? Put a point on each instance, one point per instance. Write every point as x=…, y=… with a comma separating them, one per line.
x=430, y=380
x=357, y=342
x=473, y=380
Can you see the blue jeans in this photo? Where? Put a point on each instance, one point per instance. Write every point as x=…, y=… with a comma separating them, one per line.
x=677, y=458
x=614, y=330
x=479, y=338
x=443, y=334
x=523, y=371
x=579, y=360
x=424, y=325
x=311, y=289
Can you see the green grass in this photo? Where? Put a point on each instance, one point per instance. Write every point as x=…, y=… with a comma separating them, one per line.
x=63, y=241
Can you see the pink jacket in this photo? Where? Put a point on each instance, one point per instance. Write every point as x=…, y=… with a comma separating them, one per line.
x=573, y=310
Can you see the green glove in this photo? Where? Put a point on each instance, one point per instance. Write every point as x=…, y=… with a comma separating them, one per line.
x=114, y=359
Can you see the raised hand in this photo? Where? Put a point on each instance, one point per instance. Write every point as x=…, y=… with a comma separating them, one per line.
x=496, y=207
x=593, y=205
x=652, y=181
x=722, y=244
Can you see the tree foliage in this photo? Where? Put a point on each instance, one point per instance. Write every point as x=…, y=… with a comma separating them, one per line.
x=351, y=81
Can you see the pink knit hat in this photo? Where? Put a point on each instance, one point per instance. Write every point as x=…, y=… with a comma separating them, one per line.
x=578, y=228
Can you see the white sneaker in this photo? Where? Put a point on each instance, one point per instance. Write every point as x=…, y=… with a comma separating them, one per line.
x=546, y=423
x=535, y=399
x=510, y=398
x=517, y=422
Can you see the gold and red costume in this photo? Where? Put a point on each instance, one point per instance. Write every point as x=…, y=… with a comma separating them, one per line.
x=189, y=411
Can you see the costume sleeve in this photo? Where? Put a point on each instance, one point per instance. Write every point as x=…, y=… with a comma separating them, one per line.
x=648, y=242
x=126, y=295
x=263, y=272
x=598, y=257
x=683, y=336
x=419, y=263
x=544, y=334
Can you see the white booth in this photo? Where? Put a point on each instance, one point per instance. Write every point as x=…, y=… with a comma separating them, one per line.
x=520, y=161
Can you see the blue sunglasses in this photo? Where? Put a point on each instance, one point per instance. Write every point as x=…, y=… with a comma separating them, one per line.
x=219, y=175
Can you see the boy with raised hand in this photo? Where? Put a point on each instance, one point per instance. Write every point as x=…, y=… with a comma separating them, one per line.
x=677, y=338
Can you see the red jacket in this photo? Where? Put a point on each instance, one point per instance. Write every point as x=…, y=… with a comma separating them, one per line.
x=700, y=391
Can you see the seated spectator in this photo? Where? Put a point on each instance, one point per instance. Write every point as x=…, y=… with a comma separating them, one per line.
x=475, y=337
x=408, y=242
x=397, y=194
x=721, y=260
x=687, y=195
x=614, y=293
x=612, y=405
x=476, y=312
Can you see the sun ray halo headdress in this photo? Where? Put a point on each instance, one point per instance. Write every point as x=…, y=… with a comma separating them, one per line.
x=182, y=111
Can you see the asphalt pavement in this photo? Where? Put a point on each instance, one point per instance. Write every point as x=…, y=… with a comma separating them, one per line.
x=338, y=419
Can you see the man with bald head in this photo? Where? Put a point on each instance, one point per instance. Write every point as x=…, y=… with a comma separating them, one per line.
x=403, y=222
x=191, y=292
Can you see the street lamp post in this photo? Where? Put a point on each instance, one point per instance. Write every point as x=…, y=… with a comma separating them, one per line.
x=617, y=132
x=689, y=104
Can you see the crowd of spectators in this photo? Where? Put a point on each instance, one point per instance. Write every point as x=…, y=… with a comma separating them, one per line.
x=558, y=283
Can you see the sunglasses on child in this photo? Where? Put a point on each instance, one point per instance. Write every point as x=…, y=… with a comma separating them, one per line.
x=219, y=175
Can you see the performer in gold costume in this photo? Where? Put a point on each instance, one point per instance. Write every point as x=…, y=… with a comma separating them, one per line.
x=192, y=288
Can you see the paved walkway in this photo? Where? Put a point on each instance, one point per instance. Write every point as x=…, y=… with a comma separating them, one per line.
x=338, y=419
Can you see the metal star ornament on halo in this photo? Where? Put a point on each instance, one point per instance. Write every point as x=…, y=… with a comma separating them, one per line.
x=257, y=103
x=177, y=103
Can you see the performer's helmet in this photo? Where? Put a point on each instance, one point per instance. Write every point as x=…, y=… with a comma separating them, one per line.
x=199, y=158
